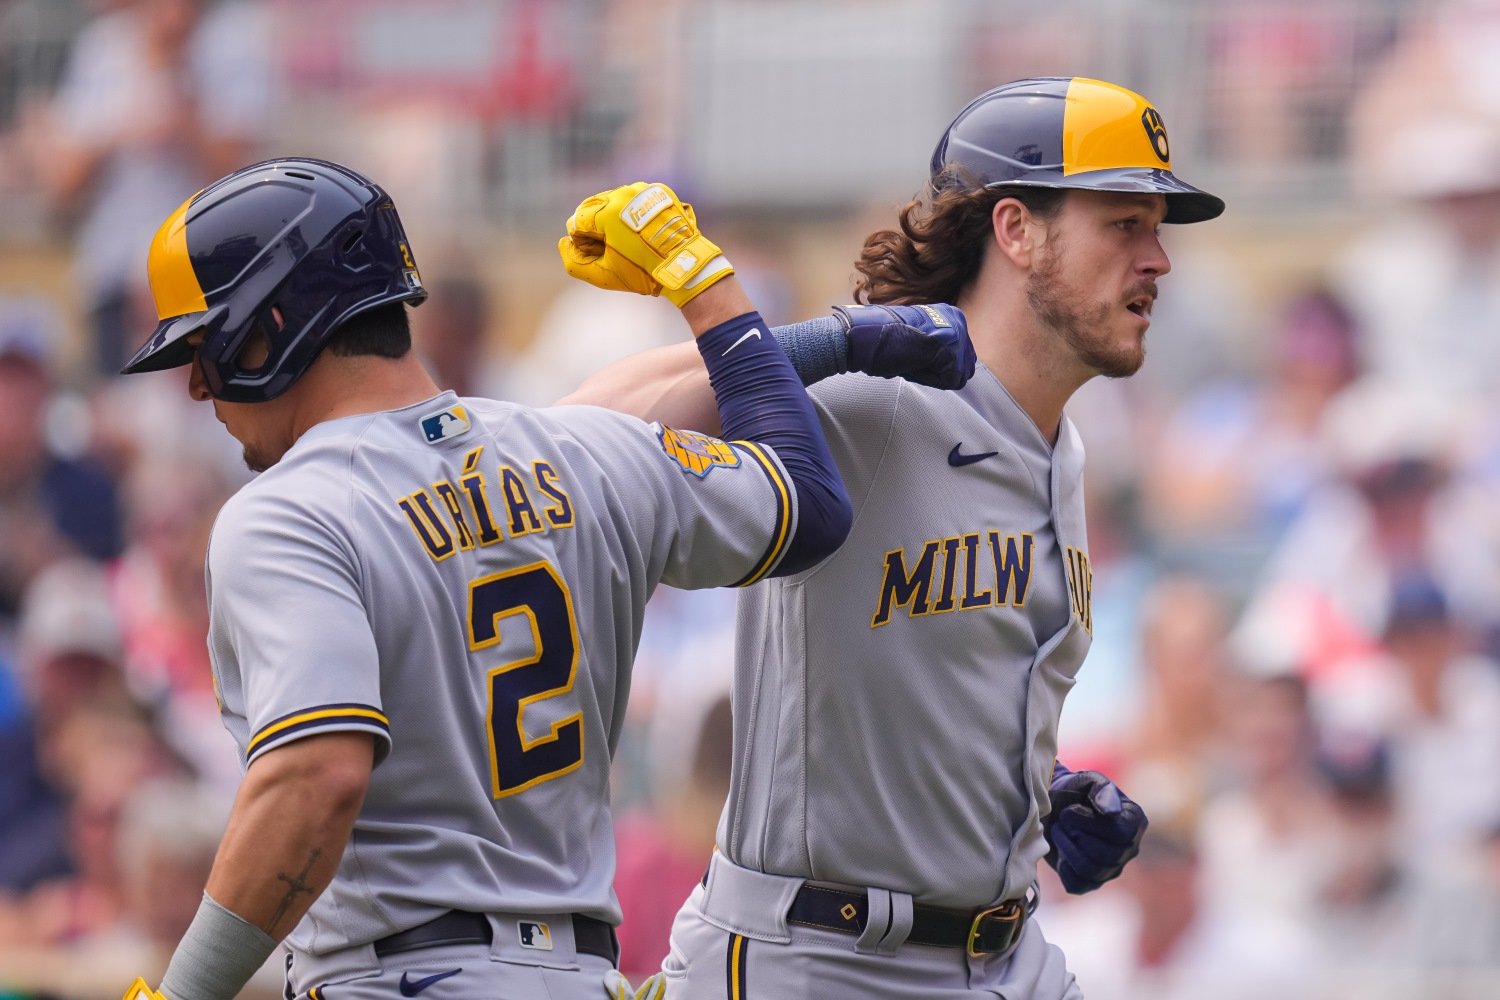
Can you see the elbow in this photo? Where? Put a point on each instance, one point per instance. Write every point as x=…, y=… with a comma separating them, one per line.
x=836, y=524
x=325, y=775
x=344, y=790
x=825, y=520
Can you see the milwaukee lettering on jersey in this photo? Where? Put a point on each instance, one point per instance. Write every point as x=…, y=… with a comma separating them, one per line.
x=1081, y=586
x=957, y=573
x=484, y=509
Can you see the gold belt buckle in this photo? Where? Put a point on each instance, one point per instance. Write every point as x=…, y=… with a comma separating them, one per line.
x=1011, y=911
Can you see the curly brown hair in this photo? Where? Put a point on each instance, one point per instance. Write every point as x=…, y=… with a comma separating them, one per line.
x=936, y=252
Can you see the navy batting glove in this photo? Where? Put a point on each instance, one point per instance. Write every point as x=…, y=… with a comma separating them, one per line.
x=925, y=344
x=1093, y=830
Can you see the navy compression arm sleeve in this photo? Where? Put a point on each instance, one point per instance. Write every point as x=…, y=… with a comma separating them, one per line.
x=761, y=399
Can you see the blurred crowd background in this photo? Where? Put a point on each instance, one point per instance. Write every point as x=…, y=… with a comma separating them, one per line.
x=1295, y=507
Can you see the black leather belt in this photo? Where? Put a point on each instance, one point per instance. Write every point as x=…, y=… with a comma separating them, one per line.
x=979, y=933
x=590, y=936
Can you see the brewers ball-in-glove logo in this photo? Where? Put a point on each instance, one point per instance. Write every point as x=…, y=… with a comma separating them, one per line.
x=696, y=453
x=1156, y=131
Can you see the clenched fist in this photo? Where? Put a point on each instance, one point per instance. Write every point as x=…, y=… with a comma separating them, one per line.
x=640, y=238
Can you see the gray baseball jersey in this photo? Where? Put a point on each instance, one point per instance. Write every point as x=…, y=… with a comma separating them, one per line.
x=896, y=706
x=465, y=580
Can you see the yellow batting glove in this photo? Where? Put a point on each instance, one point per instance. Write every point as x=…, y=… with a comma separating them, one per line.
x=138, y=990
x=617, y=987
x=645, y=225
x=586, y=257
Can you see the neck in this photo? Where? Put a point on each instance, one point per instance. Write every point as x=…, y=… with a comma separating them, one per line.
x=347, y=386
x=1030, y=360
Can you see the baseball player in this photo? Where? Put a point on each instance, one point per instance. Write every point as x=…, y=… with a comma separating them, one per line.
x=896, y=706
x=423, y=612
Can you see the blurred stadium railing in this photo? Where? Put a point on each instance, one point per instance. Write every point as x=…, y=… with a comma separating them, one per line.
x=511, y=107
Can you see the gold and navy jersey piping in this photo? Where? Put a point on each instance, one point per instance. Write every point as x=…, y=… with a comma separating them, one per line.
x=782, y=536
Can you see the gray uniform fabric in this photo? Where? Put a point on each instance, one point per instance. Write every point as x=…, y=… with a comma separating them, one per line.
x=896, y=706
x=465, y=580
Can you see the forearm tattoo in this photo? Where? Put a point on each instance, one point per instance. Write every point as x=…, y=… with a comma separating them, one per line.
x=296, y=886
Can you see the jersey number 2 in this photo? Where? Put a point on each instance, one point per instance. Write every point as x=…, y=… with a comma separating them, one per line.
x=537, y=592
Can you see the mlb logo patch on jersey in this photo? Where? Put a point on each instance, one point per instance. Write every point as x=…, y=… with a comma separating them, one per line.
x=444, y=425
x=534, y=935
x=696, y=453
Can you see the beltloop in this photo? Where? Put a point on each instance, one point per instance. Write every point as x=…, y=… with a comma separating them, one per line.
x=877, y=922
x=902, y=910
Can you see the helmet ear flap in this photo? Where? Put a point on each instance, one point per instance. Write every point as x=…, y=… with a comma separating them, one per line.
x=259, y=344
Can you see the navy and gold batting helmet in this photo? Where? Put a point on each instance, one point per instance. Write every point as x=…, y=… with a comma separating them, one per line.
x=1067, y=132
x=292, y=248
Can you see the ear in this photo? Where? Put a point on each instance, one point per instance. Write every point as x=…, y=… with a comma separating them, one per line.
x=1017, y=233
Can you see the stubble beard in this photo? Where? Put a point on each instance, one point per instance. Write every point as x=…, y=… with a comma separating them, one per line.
x=254, y=461
x=1080, y=323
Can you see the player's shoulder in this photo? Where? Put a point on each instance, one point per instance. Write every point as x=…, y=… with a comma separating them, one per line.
x=577, y=418
x=284, y=494
x=856, y=390
x=594, y=429
x=311, y=483
x=864, y=402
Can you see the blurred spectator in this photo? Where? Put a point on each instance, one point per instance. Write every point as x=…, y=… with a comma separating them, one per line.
x=455, y=335
x=1414, y=908
x=67, y=651
x=671, y=773
x=1175, y=749
x=1425, y=148
x=1446, y=60
x=1449, y=715
x=157, y=587
x=168, y=831
x=1150, y=937
x=1399, y=502
x=157, y=583
x=1434, y=701
x=1424, y=279
x=1454, y=921
x=1363, y=916
x=31, y=813
x=51, y=505
x=1269, y=839
x=1236, y=462
x=583, y=330
x=150, y=418
x=69, y=646
x=99, y=753
x=1280, y=78
x=664, y=852
x=93, y=742
x=159, y=98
